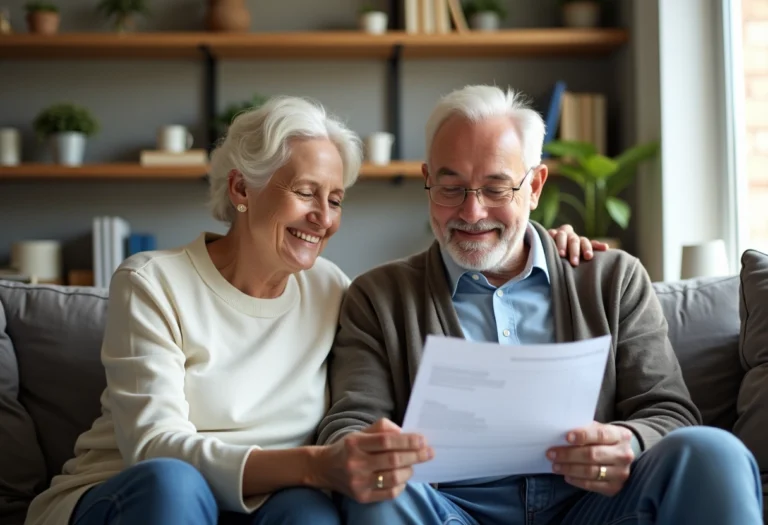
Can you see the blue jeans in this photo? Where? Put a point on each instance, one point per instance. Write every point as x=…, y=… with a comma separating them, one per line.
x=172, y=492
x=693, y=476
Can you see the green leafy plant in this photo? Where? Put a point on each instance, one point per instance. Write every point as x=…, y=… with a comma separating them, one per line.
x=225, y=118
x=601, y=180
x=32, y=7
x=64, y=117
x=472, y=7
x=123, y=11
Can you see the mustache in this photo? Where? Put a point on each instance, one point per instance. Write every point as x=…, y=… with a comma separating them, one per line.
x=480, y=226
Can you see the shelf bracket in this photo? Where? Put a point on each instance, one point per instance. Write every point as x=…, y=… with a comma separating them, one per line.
x=394, y=100
x=210, y=84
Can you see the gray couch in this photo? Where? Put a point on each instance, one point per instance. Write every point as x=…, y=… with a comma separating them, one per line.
x=51, y=376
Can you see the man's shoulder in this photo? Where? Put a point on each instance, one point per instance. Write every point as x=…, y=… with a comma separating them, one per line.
x=398, y=273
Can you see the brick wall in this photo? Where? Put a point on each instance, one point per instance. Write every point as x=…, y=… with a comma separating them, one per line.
x=755, y=33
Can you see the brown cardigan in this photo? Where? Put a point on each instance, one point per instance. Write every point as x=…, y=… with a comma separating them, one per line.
x=388, y=312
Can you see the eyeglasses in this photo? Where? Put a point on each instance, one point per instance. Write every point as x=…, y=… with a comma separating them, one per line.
x=489, y=196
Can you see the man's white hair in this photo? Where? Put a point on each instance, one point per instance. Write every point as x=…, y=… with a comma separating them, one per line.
x=482, y=102
x=258, y=144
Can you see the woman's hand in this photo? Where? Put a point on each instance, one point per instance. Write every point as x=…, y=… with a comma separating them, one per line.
x=568, y=241
x=372, y=465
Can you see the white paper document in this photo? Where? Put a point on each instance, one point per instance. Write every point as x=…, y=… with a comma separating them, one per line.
x=494, y=410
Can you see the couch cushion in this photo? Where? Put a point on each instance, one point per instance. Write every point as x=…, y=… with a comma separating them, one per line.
x=22, y=467
x=752, y=424
x=56, y=332
x=703, y=318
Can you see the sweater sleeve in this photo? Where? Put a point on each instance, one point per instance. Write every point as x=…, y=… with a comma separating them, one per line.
x=359, y=374
x=145, y=369
x=651, y=396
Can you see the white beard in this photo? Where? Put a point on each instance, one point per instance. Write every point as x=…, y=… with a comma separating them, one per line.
x=479, y=256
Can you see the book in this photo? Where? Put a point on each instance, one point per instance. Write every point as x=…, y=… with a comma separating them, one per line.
x=193, y=157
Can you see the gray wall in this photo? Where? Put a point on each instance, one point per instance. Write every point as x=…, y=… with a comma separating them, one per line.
x=381, y=221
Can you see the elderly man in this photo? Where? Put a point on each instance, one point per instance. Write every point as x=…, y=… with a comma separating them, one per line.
x=493, y=275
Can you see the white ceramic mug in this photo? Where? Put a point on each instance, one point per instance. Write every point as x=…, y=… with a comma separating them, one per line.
x=379, y=147
x=10, y=147
x=176, y=139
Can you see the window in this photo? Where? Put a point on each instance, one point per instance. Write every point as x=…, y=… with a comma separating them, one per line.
x=748, y=59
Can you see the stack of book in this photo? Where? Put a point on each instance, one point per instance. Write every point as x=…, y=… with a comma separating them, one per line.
x=581, y=117
x=112, y=243
x=433, y=16
x=192, y=157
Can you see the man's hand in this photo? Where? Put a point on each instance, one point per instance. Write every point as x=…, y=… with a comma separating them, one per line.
x=372, y=465
x=574, y=247
x=598, y=458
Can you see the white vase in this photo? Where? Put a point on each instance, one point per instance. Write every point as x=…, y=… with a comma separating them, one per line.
x=68, y=148
x=485, y=21
x=10, y=147
x=374, y=22
x=581, y=14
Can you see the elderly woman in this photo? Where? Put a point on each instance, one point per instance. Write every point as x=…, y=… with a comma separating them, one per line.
x=215, y=352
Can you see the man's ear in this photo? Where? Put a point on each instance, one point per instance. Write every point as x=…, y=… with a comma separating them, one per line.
x=538, y=179
x=425, y=171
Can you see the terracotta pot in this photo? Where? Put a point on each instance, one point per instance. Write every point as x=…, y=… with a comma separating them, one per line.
x=43, y=22
x=228, y=15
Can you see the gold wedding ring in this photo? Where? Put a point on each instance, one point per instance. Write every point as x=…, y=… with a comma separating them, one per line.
x=603, y=472
x=380, y=482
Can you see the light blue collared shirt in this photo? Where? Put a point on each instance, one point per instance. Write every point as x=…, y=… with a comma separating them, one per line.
x=517, y=312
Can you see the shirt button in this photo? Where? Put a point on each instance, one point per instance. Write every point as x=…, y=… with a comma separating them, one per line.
x=506, y=333
x=499, y=293
x=475, y=276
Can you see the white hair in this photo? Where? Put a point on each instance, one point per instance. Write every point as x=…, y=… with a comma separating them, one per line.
x=481, y=102
x=257, y=144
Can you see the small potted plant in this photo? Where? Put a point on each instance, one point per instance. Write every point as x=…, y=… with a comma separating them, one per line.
x=66, y=126
x=484, y=15
x=225, y=118
x=373, y=21
x=123, y=12
x=581, y=13
x=600, y=179
x=42, y=18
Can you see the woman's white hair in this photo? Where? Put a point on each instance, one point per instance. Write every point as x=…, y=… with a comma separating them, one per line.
x=481, y=102
x=258, y=144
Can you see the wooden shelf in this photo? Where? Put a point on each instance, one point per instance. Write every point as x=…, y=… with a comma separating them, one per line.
x=125, y=171
x=319, y=44
x=129, y=171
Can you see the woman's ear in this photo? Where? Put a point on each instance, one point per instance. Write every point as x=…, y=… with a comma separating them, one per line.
x=238, y=191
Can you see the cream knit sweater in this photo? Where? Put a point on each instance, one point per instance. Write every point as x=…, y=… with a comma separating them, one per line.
x=199, y=371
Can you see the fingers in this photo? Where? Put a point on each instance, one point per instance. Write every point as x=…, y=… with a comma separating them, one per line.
x=599, y=434
x=561, y=235
x=586, y=248
x=591, y=472
x=388, y=461
x=382, y=425
x=373, y=443
x=574, y=248
x=620, y=454
x=381, y=486
x=599, y=246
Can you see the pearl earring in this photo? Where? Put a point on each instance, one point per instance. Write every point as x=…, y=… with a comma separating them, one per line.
x=242, y=208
